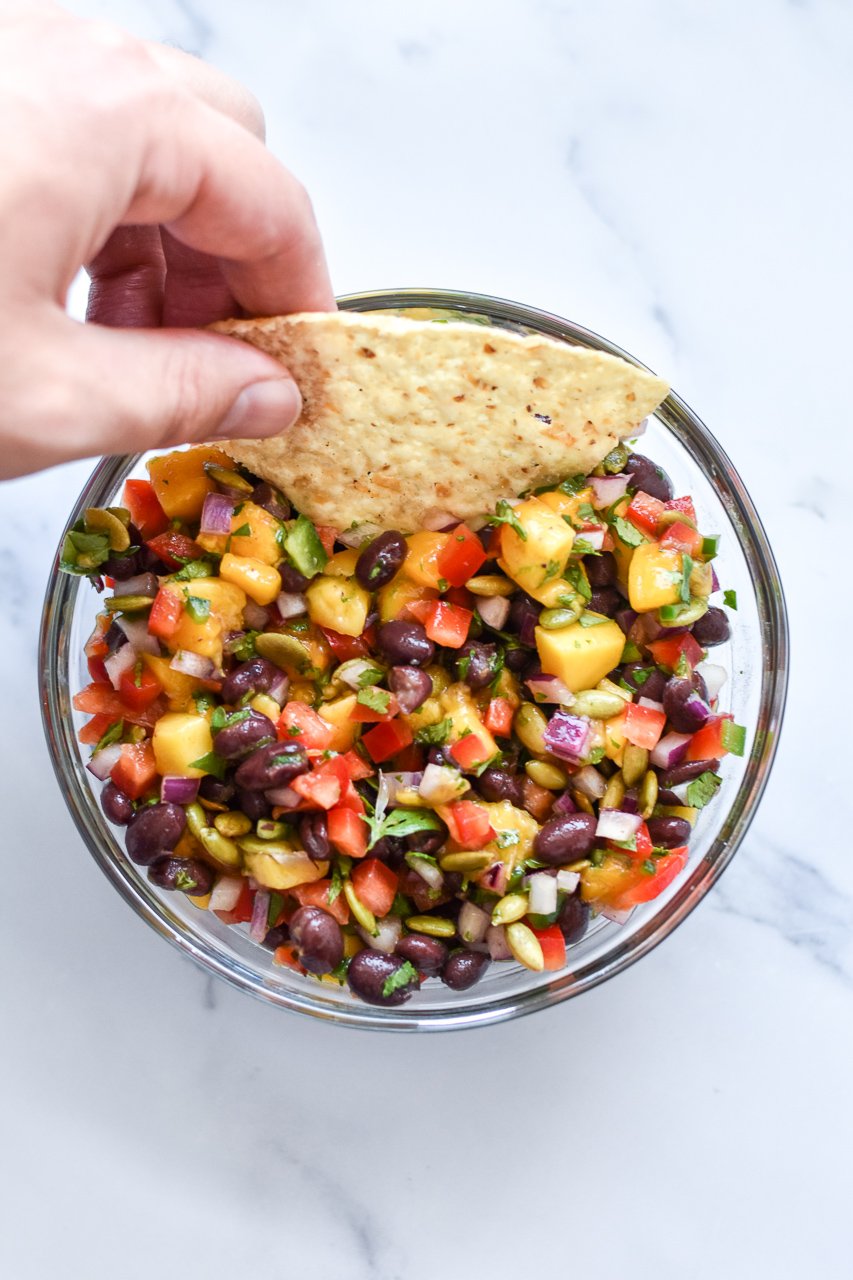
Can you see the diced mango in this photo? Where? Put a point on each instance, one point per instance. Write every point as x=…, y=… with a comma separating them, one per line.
x=606, y=882
x=342, y=564
x=685, y=811
x=338, y=603
x=457, y=702
x=266, y=705
x=428, y=713
x=613, y=738
x=180, y=481
x=505, y=817
x=337, y=713
x=260, y=581
x=177, y=687
x=399, y=592
x=227, y=603
x=421, y=563
x=261, y=542
x=580, y=655
x=654, y=577
x=178, y=739
x=282, y=871
x=557, y=593
x=566, y=504
x=540, y=557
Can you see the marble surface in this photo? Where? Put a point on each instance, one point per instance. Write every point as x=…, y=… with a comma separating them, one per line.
x=671, y=175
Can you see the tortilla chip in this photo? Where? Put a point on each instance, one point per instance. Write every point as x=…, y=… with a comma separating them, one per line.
x=402, y=417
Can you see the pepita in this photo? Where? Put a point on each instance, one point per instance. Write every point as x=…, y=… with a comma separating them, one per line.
x=615, y=793
x=583, y=802
x=361, y=915
x=556, y=619
x=127, y=604
x=597, y=704
x=510, y=908
x=232, y=823
x=228, y=479
x=467, y=860
x=682, y=615
x=196, y=818
x=529, y=726
x=285, y=651
x=547, y=775
x=99, y=520
x=432, y=926
x=525, y=946
x=635, y=762
x=648, y=794
x=220, y=848
x=490, y=584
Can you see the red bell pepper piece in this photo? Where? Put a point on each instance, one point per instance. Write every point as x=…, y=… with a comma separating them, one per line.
x=645, y=512
x=553, y=946
x=175, y=548
x=321, y=789
x=643, y=725
x=302, y=724
x=468, y=823
x=242, y=909
x=666, y=869
x=385, y=740
x=328, y=536
x=498, y=718
x=165, y=614
x=680, y=537
x=144, y=507
x=366, y=715
x=346, y=647
x=684, y=505
x=447, y=624
x=348, y=832
x=135, y=772
x=375, y=885
x=138, y=688
x=93, y=730
x=707, y=742
x=461, y=557
x=667, y=652
x=316, y=894
x=356, y=767
x=470, y=752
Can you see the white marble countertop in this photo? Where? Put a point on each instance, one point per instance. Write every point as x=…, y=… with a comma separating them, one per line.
x=671, y=175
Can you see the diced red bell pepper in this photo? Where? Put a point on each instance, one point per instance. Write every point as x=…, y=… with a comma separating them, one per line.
x=680, y=537
x=347, y=832
x=667, y=652
x=97, y=670
x=302, y=724
x=684, y=505
x=135, y=771
x=93, y=730
x=385, y=740
x=642, y=845
x=316, y=894
x=139, y=688
x=553, y=946
x=470, y=752
x=666, y=869
x=174, y=548
x=287, y=957
x=375, y=885
x=165, y=614
x=346, y=647
x=328, y=536
x=645, y=512
x=242, y=909
x=468, y=823
x=102, y=699
x=321, y=789
x=498, y=718
x=707, y=742
x=461, y=557
x=643, y=725
x=356, y=767
x=447, y=624
x=144, y=507
x=366, y=715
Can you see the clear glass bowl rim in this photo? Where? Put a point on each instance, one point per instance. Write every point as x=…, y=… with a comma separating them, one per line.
x=690, y=431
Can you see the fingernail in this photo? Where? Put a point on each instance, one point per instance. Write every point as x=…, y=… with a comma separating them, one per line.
x=263, y=409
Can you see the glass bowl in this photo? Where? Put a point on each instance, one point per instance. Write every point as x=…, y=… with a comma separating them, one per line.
x=756, y=658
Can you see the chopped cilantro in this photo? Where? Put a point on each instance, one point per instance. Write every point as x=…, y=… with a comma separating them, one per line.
x=197, y=607
x=626, y=532
x=730, y=599
x=370, y=675
x=595, y=756
x=375, y=699
x=434, y=735
x=573, y=484
x=203, y=700
x=505, y=839
x=340, y=871
x=83, y=552
x=245, y=531
x=294, y=731
x=592, y=619
x=462, y=666
x=587, y=511
x=211, y=763
x=686, y=570
x=112, y=734
x=193, y=569
x=575, y=575
x=400, y=978
x=703, y=789
x=649, y=866
x=401, y=822
x=504, y=514
x=243, y=648
x=581, y=547
x=641, y=676
x=443, y=584
x=222, y=719
x=339, y=973
x=552, y=570
x=185, y=881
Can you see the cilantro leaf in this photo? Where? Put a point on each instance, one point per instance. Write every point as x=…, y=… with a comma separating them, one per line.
x=222, y=719
x=703, y=789
x=586, y=511
x=575, y=575
x=626, y=532
x=592, y=619
x=400, y=978
x=112, y=734
x=730, y=599
x=370, y=675
x=573, y=484
x=504, y=514
x=193, y=569
x=581, y=547
x=211, y=763
x=243, y=647
x=340, y=871
x=434, y=735
x=375, y=699
x=245, y=531
x=401, y=822
x=686, y=570
x=552, y=570
x=83, y=552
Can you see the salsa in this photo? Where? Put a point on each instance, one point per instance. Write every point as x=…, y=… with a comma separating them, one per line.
x=399, y=756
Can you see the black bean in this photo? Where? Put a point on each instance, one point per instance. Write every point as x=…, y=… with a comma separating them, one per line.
x=254, y=804
x=601, y=570
x=687, y=772
x=669, y=833
x=381, y=559
x=647, y=681
x=679, y=703
x=516, y=659
x=427, y=841
x=314, y=835
x=711, y=629
x=255, y=676
x=211, y=788
x=426, y=954
x=649, y=477
x=405, y=643
x=574, y=917
x=563, y=839
x=244, y=735
x=476, y=663
x=187, y=874
x=273, y=765
x=264, y=495
x=117, y=807
x=277, y=936
x=123, y=567
x=390, y=849
x=292, y=581
x=368, y=973
x=463, y=969
x=411, y=686
x=153, y=831
x=496, y=784
x=318, y=939
x=605, y=600
x=523, y=616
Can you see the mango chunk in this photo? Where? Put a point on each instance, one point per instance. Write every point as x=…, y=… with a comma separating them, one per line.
x=284, y=870
x=338, y=714
x=180, y=481
x=421, y=563
x=580, y=655
x=339, y=604
x=400, y=591
x=540, y=557
x=342, y=563
x=260, y=581
x=654, y=577
x=178, y=739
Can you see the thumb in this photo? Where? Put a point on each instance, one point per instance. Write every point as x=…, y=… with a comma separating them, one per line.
x=136, y=389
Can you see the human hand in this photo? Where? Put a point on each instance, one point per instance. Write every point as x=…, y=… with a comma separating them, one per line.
x=138, y=162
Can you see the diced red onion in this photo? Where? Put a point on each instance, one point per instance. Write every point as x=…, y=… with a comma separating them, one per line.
x=550, y=689
x=438, y=521
x=124, y=659
x=278, y=691
x=387, y=935
x=104, y=761
x=494, y=610
x=564, y=804
x=473, y=923
x=226, y=893
x=427, y=871
x=607, y=490
x=286, y=797
x=567, y=881
x=351, y=672
x=615, y=914
x=497, y=943
x=291, y=604
x=714, y=676
x=650, y=703
x=593, y=537
x=680, y=791
x=494, y=878
x=144, y=584
x=614, y=824
x=391, y=783
x=216, y=514
x=136, y=630
x=629, y=804
x=440, y=784
x=177, y=790
x=589, y=782
x=193, y=664
x=568, y=736
x=696, y=709
x=362, y=533
x=259, y=925
x=543, y=894
x=255, y=616
x=671, y=750
x=715, y=581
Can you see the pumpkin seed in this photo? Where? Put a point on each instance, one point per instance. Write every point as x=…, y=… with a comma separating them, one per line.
x=510, y=908
x=232, y=823
x=615, y=793
x=635, y=762
x=525, y=946
x=556, y=619
x=99, y=520
x=648, y=794
x=490, y=584
x=597, y=704
x=227, y=479
x=268, y=829
x=547, y=775
x=285, y=651
x=432, y=926
x=529, y=726
x=362, y=916
x=465, y=861
x=196, y=818
x=127, y=604
x=666, y=518
x=615, y=460
x=682, y=615
x=583, y=802
x=220, y=848
x=701, y=580
x=254, y=844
